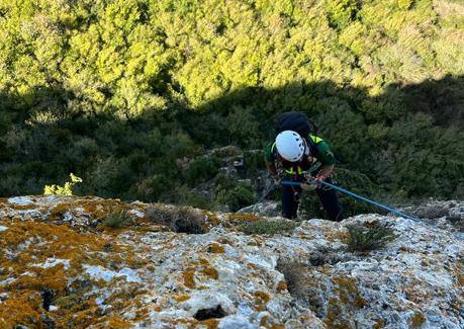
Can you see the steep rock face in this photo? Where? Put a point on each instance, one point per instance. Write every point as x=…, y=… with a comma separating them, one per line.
x=60, y=268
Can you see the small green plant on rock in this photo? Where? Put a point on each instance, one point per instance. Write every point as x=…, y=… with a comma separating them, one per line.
x=270, y=227
x=118, y=219
x=66, y=190
x=369, y=236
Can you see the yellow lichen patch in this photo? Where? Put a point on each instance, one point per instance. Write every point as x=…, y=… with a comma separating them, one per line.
x=216, y=248
x=417, y=320
x=243, y=217
x=181, y=297
x=261, y=300
x=210, y=323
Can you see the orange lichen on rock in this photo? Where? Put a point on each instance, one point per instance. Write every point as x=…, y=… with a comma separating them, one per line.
x=216, y=248
x=244, y=217
x=200, y=267
x=39, y=241
x=211, y=218
x=206, y=269
x=261, y=300
x=181, y=298
x=348, y=291
x=45, y=257
x=281, y=286
x=96, y=208
x=23, y=307
x=346, y=300
x=459, y=274
x=117, y=322
x=379, y=324
x=417, y=320
x=210, y=272
x=210, y=323
x=337, y=235
x=189, y=277
x=334, y=319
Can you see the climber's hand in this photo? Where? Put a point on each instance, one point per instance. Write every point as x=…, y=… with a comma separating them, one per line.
x=307, y=187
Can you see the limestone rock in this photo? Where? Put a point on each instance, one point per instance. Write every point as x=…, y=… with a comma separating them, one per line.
x=60, y=266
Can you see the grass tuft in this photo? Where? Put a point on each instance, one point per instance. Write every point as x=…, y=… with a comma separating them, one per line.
x=270, y=227
x=370, y=236
x=118, y=219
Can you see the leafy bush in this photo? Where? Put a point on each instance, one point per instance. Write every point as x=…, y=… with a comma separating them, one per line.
x=178, y=219
x=270, y=227
x=370, y=236
x=235, y=195
x=65, y=190
x=201, y=169
x=118, y=219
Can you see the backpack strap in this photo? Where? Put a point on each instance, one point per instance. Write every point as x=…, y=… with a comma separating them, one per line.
x=312, y=141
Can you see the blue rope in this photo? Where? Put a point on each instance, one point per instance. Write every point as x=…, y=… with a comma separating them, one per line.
x=356, y=196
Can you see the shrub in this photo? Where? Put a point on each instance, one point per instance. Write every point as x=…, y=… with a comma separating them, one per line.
x=236, y=197
x=201, y=169
x=65, y=190
x=118, y=219
x=370, y=236
x=268, y=227
x=178, y=219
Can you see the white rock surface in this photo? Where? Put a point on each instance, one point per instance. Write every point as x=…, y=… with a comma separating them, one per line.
x=226, y=279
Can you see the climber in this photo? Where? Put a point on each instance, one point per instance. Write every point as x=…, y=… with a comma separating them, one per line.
x=298, y=154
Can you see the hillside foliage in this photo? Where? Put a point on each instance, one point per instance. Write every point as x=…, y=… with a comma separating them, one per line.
x=119, y=92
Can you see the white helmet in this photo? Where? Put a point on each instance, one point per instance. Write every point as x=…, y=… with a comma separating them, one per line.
x=290, y=145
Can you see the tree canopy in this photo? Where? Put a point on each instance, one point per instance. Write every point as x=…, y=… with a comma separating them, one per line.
x=117, y=91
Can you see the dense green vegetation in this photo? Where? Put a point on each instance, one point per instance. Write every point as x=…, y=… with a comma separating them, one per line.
x=120, y=92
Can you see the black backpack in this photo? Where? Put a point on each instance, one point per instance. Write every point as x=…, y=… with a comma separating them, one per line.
x=296, y=121
x=299, y=122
